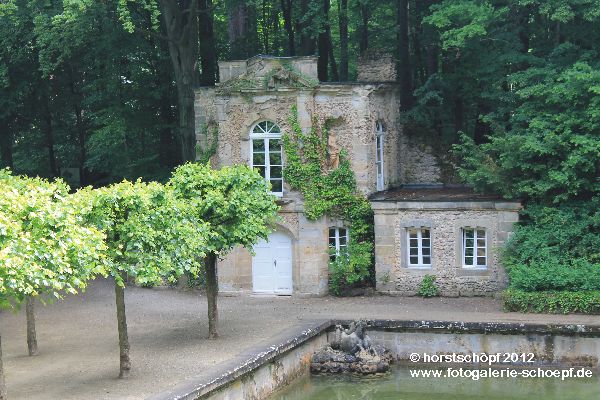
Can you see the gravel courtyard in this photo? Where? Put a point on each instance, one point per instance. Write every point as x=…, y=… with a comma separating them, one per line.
x=78, y=345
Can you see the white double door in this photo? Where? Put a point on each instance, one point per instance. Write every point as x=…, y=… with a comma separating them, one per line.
x=272, y=265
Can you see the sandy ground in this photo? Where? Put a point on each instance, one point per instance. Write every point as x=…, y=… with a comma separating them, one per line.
x=79, y=355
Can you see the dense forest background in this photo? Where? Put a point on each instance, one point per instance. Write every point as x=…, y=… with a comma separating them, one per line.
x=103, y=89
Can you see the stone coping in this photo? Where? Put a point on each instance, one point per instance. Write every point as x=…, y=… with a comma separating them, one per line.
x=251, y=360
x=394, y=206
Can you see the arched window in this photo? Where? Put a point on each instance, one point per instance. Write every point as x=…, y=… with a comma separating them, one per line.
x=379, y=135
x=267, y=154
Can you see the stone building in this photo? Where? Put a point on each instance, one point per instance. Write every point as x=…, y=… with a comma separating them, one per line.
x=249, y=111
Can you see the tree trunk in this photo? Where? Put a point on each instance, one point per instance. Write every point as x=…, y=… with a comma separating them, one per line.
x=286, y=8
x=49, y=133
x=334, y=70
x=365, y=15
x=124, y=361
x=6, y=145
x=343, y=22
x=404, y=72
x=212, y=291
x=208, y=52
x=323, y=41
x=2, y=381
x=307, y=42
x=181, y=25
x=32, y=346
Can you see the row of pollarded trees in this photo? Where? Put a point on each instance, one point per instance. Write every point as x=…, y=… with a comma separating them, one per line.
x=53, y=242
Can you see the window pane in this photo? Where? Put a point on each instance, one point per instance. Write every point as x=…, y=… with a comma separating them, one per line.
x=275, y=145
x=414, y=260
x=427, y=260
x=414, y=251
x=425, y=233
x=480, y=252
x=275, y=158
x=426, y=243
x=468, y=260
x=481, y=261
x=332, y=232
x=258, y=145
x=261, y=170
x=480, y=242
x=469, y=233
x=332, y=242
x=412, y=233
x=275, y=172
x=469, y=252
x=480, y=233
x=413, y=243
x=342, y=240
x=276, y=185
x=258, y=159
x=426, y=251
x=469, y=243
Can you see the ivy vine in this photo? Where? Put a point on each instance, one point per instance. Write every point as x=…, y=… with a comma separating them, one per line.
x=204, y=155
x=332, y=192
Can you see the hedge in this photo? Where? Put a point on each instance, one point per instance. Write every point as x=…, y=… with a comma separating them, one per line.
x=585, y=302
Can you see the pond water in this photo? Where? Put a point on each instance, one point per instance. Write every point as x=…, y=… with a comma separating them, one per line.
x=399, y=385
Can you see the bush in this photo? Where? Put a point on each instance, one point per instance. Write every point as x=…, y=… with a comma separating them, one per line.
x=350, y=268
x=552, y=302
x=428, y=287
x=557, y=249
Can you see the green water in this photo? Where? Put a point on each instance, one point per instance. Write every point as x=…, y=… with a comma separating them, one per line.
x=399, y=385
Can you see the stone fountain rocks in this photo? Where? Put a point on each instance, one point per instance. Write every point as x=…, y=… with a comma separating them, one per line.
x=351, y=351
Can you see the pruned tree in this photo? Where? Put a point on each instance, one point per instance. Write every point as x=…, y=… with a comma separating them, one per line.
x=47, y=247
x=149, y=237
x=238, y=209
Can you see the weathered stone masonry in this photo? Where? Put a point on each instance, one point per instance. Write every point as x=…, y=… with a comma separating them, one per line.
x=265, y=88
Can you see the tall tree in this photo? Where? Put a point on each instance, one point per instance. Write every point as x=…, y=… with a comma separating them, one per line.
x=403, y=57
x=287, y=9
x=324, y=42
x=343, y=23
x=208, y=50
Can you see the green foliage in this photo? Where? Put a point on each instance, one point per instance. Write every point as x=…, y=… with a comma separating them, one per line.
x=46, y=246
x=330, y=192
x=149, y=233
x=428, y=288
x=552, y=302
x=234, y=203
x=556, y=249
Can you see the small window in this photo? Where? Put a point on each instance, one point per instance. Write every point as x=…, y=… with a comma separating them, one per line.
x=474, y=245
x=379, y=135
x=419, y=247
x=267, y=154
x=338, y=242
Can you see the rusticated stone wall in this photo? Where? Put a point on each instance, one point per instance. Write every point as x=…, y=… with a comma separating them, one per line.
x=446, y=220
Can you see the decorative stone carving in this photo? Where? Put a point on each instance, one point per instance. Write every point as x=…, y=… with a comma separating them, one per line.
x=351, y=351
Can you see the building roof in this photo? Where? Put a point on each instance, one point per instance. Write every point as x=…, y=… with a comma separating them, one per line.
x=434, y=192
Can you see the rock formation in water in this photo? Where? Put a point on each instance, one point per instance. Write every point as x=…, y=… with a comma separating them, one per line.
x=351, y=351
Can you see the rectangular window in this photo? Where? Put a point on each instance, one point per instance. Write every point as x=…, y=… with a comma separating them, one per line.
x=474, y=246
x=419, y=247
x=379, y=160
x=338, y=241
x=267, y=158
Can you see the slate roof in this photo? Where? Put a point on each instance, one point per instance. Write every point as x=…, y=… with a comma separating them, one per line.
x=433, y=192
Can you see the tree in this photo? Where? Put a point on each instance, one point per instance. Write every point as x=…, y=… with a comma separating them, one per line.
x=237, y=207
x=47, y=248
x=149, y=237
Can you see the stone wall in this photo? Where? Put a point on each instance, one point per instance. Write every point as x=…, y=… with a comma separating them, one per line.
x=376, y=67
x=446, y=220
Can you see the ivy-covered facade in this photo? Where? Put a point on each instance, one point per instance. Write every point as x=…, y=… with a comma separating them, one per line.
x=268, y=112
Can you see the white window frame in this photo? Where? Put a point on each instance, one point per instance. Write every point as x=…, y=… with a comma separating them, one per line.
x=420, y=263
x=476, y=247
x=379, y=145
x=270, y=131
x=336, y=236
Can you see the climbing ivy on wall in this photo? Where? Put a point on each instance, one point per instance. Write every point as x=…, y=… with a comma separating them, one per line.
x=332, y=192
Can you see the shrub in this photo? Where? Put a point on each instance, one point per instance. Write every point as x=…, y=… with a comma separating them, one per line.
x=428, y=287
x=350, y=268
x=552, y=302
x=556, y=249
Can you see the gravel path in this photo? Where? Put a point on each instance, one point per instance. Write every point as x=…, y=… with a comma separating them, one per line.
x=167, y=329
